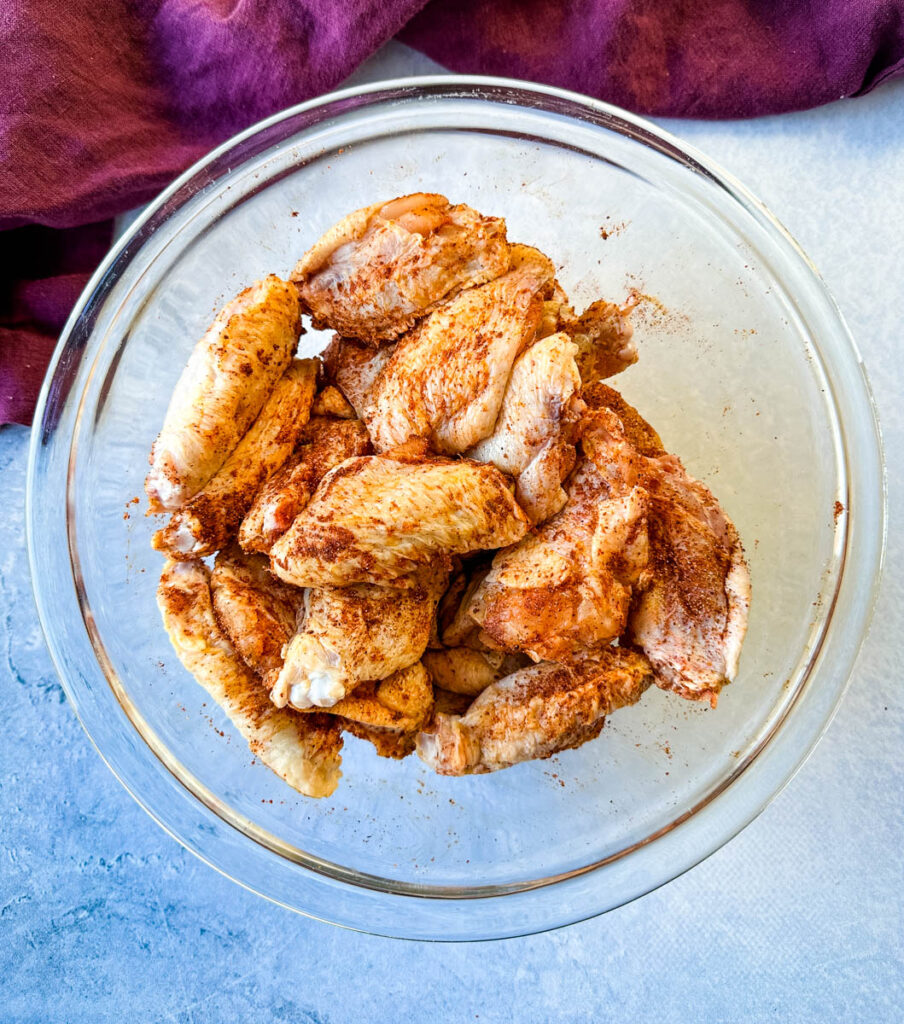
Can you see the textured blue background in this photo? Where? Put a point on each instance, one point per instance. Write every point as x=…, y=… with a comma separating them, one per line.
x=104, y=918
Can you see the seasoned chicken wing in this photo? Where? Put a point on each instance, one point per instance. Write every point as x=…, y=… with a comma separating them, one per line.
x=378, y=518
x=286, y=493
x=212, y=517
x=353, y=367
x=379, y=269
x=222, y=389
x=350, y=635
x=691, y=619
x=468, y=671
x=568, y=586
x=535, y=713
x=331, y=402
x=446, y=379
x=254, y=609
x=604, y=336
x=533, y=437
x=303, y=750
x=389, y=714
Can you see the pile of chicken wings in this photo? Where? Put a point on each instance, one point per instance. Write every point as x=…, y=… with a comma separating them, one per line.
x=445, y=535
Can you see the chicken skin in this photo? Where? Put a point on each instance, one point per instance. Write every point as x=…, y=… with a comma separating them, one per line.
x=535, y=713
x=350, y=635
x=603, y=334
x=533, y=437
x=254, y=609
x=379, y=518
x=567, y=587
x=381, y=268
x=468, y=671
x=353, y=367
x=691, y=618
x=302, y=750
x=212, y=517
x=223, y=387
x=446, y=379
x=389, y=714
x=278, y=502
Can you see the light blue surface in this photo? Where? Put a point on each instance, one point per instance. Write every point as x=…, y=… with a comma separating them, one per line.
x=104, y=918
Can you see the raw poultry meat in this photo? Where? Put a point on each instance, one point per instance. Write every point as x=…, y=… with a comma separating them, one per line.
x=389, y=714
x=533, y=439
x=535, y=712
x=212, y=517
x=226, y=381
x=567, y=587
x=378, y=518
x=302, y=750
x=350, y=635
x=378, y=270
x=254, y=609
x=278, y=502
x=446, y=378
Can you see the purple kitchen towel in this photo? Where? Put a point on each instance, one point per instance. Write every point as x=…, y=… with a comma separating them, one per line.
x=102, y=104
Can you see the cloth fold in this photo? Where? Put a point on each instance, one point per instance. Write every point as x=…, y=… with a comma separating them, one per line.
x=101, y=106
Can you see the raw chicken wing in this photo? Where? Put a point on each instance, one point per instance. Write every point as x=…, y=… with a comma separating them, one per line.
x=379, y=269
x=533, y=436
x=222, y=389
x=302, y=750
x=254, y=609
x=535, y=713
x=350, y=635
x=377, y=518
x=446, y=379
x=691, y=619
x=604, y=337
x=287, y=492
x=212, y=517
x=567, y=587
x=389, y=714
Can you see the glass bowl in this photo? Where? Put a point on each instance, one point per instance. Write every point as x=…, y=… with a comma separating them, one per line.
x=747, y=371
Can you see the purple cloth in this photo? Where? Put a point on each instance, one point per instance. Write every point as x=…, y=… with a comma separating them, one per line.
x=102, y=104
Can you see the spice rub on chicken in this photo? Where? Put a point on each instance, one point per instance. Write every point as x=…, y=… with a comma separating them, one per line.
x=378, y=270
x=446, y=533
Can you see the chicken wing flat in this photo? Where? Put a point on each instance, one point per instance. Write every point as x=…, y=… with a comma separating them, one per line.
x=567, y=587
x=302, y=750
x=535, y=713
x=212, y=517
x=278, y=502
x=446, y=379
x=388, y=714
x=254, y=609
x=691, y=619
x=377, y=518
x=225, y=383
x=379, y=269
x=604, y=336
x=350, y=635
x=533, y=439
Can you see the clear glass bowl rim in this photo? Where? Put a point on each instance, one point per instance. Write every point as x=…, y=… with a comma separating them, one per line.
x=426, y=914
